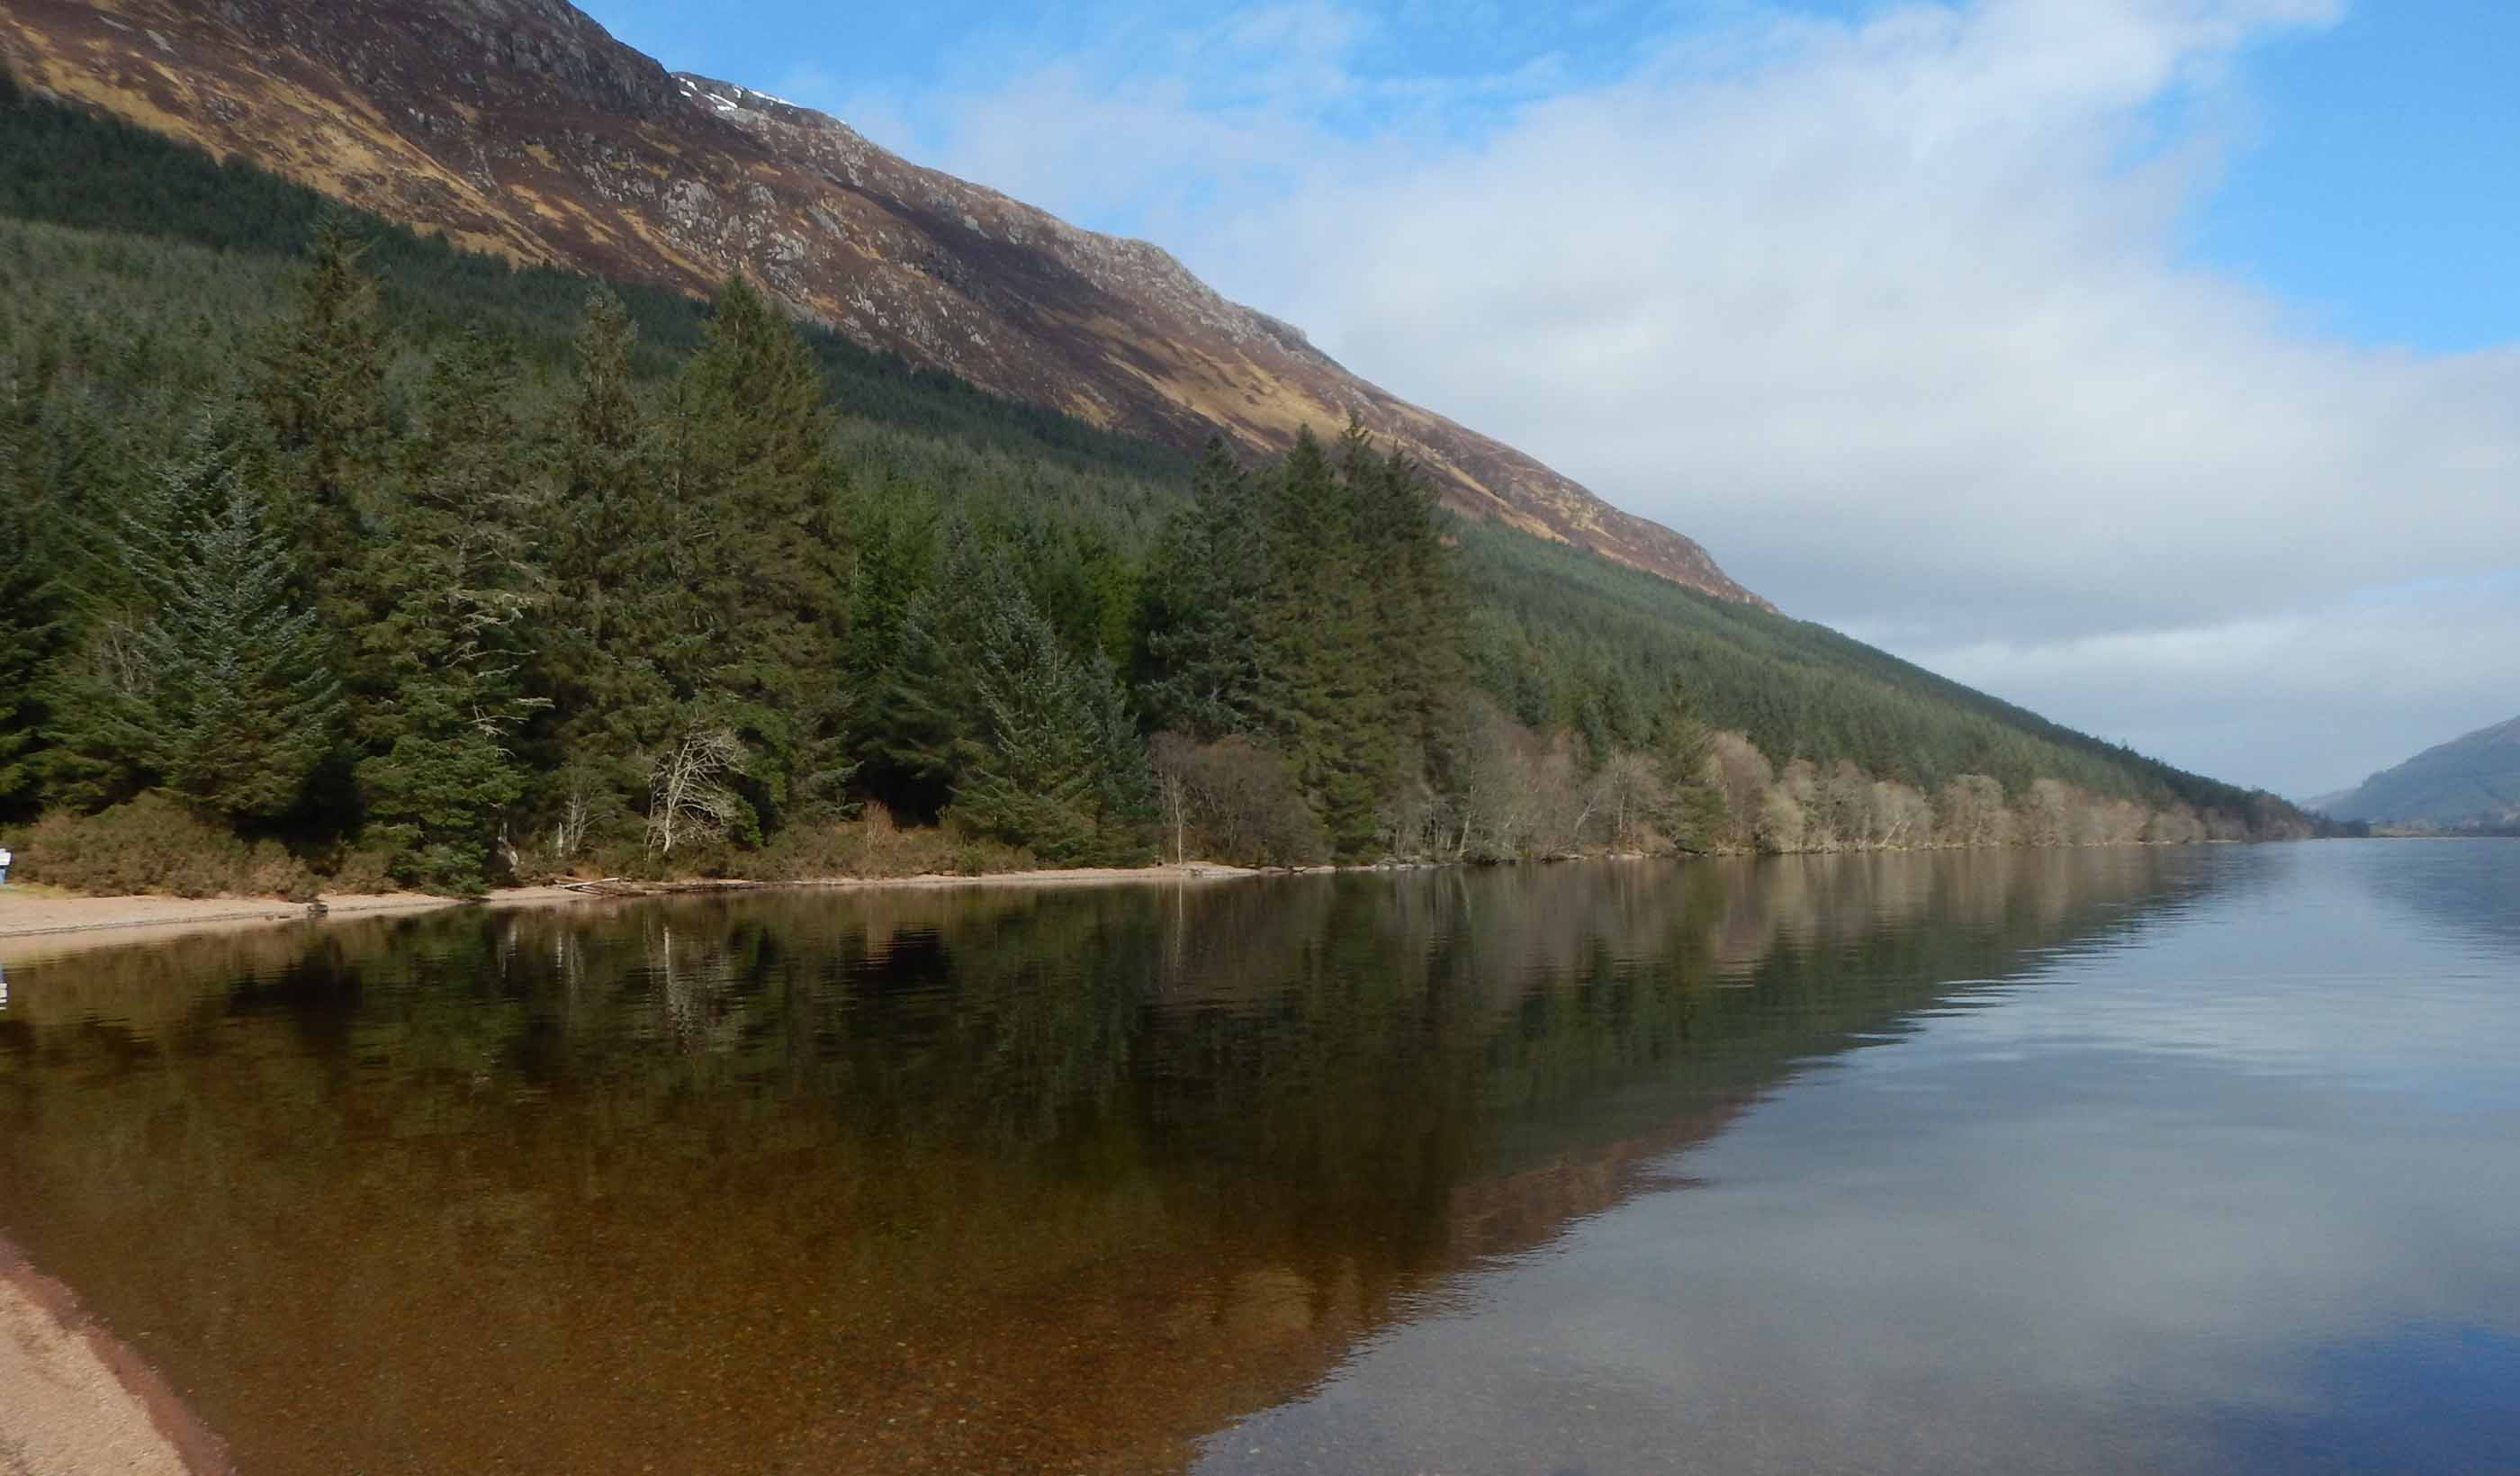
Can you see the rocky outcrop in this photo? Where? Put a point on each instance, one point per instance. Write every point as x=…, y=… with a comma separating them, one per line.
x=521, y=127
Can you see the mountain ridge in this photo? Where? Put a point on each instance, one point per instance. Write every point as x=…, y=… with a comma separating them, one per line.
x=2473, y=781
x=523, y=128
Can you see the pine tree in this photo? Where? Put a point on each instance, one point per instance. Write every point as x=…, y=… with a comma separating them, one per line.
x=1324, y=684
x=1693, y=814
x=1058, y=768
x=897, y=552
x=1207, y=588
x=323, y=392
x=32, y=630
x=621, y=622
x=1124, y=780
x=923, y=724
x=220, y=691
x=1415, y=606
x=449, y=650
x=760, y=546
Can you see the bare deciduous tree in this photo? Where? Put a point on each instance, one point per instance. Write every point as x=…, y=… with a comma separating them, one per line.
x=1743, y=774
x=576, y=813
x=1174, y=792
x=688, y=794
x=1233, y=801
x=1973, y=813
x=2047, y=814
x=1626, y=790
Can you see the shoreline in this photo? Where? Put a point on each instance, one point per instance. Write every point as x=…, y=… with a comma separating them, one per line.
x=42, y=923
x=81, y=1399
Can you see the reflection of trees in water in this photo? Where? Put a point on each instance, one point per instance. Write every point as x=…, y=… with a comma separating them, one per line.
x=1095, y=1170
x=695, y=988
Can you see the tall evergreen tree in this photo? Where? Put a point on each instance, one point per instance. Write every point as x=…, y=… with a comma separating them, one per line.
x=33, y=625
x=216, y=687
x=623, y=624
x=897, y=552
x=322, y=389
x=926, y=718
x=449, y=649
x=1416, y=610
x=760, y=546
x=1057, y=765
x=1207, y=589
x=1327, y=701
x=1693, y=814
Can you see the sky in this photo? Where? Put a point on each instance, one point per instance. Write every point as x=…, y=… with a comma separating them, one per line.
x=2151, y=363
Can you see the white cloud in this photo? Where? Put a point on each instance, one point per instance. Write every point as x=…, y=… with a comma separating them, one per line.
x=1891, y=315
x=2304, y=699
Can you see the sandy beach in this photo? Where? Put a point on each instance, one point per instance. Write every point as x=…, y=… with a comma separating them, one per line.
x=42, y=922
x=81, y=1400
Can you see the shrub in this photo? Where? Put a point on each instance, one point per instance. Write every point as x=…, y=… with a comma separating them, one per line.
x=152, y=845
x=873, y=845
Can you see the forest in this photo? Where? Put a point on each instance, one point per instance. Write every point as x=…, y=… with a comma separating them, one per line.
x=333, y=555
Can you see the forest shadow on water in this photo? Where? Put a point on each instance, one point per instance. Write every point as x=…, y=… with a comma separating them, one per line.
x=928, y=1181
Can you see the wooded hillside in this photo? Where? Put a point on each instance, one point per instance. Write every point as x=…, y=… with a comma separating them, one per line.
x=376, y=560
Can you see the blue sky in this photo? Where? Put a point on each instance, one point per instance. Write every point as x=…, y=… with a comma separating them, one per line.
x=2376, y=187
x=2368, y=182
x=2152, y=363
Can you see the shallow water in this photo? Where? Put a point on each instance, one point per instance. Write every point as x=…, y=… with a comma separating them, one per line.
x=2203, y=1159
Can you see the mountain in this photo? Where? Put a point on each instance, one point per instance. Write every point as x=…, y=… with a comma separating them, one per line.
x=523, y=128
x=2469, y=781
x=379, y=412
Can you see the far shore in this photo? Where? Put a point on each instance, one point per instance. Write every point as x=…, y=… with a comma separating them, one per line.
x=37, y=922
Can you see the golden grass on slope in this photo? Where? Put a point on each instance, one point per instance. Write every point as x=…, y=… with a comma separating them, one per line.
x=96, y=84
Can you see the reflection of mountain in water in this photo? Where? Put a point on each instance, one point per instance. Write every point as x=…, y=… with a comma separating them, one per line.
x=2464, y=885
x=907, y=1181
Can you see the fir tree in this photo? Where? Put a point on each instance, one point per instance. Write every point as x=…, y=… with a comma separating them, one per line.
x=897, y=553
x=453, y=579
x=220, y=693
x=760, y=546
x=1322, y=687
x=1419, y=610
x=32, y=630
x=323, y=392
x=1207, y=589
x=924, y=726
x=1058, y=768
x=621, y=622
x=1693, y=814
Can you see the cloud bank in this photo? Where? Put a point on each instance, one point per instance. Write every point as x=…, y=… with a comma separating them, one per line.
x=1890, y=312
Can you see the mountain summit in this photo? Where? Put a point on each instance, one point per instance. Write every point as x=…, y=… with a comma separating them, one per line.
x=521, y=127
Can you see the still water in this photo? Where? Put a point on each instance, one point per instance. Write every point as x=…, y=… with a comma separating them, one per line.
x=2204, y=1159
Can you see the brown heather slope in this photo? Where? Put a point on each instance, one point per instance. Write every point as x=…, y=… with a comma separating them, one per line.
x=521, y=127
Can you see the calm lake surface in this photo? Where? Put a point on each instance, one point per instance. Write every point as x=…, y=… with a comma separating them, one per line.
x=2204, y=1159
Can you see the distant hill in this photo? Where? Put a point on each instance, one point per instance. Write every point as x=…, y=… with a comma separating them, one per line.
x=2471, y=781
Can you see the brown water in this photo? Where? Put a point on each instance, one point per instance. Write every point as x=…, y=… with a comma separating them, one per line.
x=2087, y=1161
